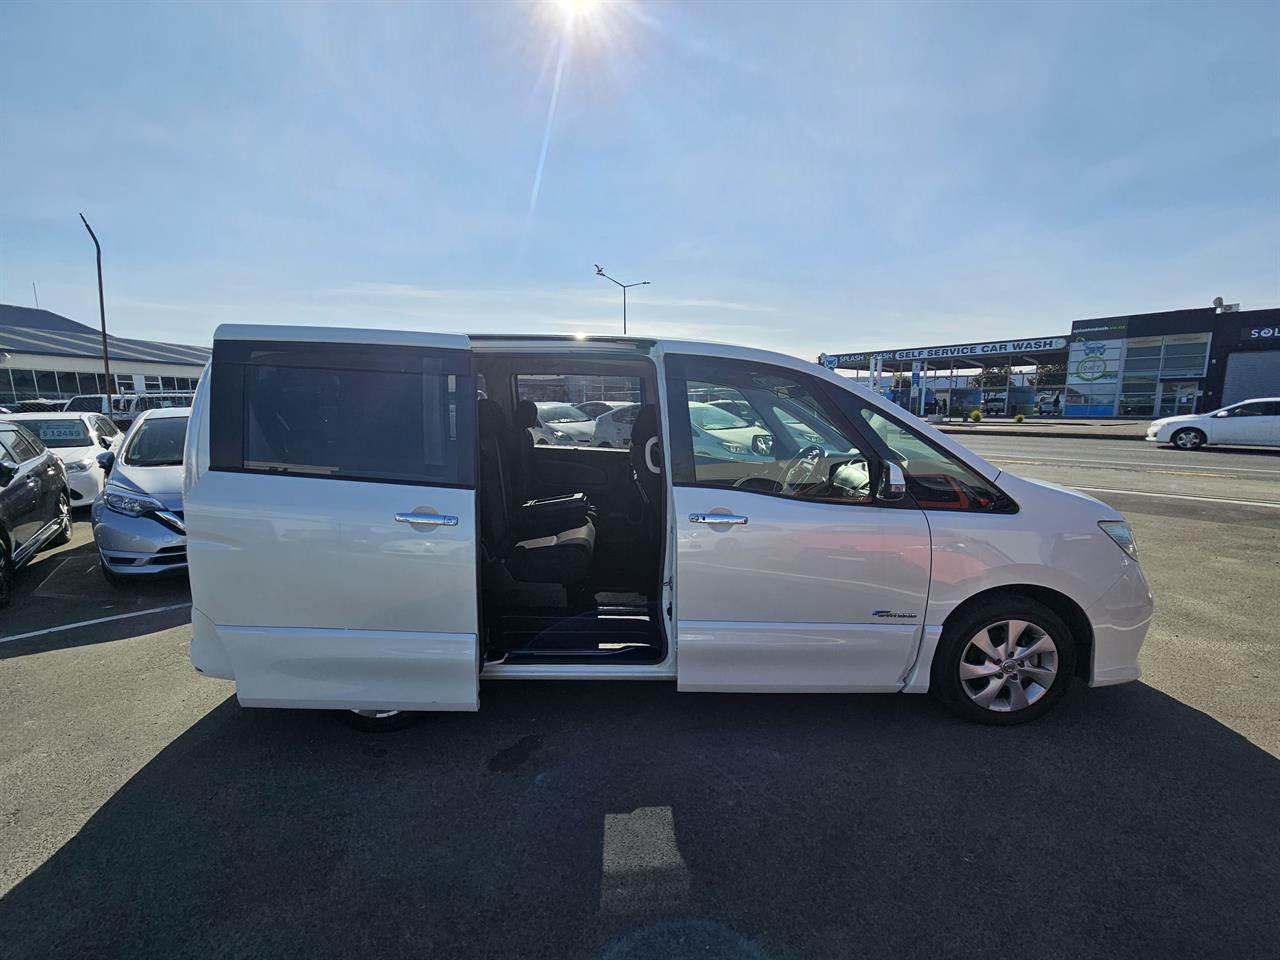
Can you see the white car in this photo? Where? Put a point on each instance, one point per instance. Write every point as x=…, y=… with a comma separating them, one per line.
x=1254, y=423
x=561, y=424
x=613, y=427
x=594, y=408
x=379, y=559
x=76, y=439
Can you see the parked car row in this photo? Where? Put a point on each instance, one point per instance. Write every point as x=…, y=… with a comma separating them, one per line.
x=122, y=409
x=131, y=481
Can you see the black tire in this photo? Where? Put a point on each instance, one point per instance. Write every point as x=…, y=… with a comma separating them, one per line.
x=6, y=572
x=114, y=579
x=954, y=647
x=394, y=720
x=68, y=524
x=1188, y=438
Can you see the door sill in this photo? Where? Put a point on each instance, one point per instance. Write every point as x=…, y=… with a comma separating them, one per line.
x=579, y=671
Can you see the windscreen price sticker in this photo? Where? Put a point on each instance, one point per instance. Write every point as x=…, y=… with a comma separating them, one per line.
x=55, y=432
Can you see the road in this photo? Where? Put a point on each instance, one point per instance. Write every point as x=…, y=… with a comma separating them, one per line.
x=146, y=815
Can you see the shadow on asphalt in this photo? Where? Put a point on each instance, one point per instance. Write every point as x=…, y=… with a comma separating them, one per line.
x=126, y=629
x=626, y=821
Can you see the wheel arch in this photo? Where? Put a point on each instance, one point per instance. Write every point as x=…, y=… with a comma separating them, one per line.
x=1069, y=610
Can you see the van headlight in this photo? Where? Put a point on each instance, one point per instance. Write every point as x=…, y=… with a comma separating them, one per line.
x=80, y=466
x=1122, y=534
x=130, y=504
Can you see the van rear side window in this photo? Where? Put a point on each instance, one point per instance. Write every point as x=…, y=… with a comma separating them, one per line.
x=343, y=412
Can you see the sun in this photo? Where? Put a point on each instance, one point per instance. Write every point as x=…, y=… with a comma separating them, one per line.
x=573, y=10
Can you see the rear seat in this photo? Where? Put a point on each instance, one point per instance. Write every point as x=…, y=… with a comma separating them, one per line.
x=533, y=550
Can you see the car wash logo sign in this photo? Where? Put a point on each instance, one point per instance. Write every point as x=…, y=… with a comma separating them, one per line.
x=956, y=352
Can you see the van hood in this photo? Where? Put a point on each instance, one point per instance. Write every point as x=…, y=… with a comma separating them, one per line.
x=1042, y=495
x=163, y=483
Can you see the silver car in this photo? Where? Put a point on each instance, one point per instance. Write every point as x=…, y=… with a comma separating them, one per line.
x=137, y=521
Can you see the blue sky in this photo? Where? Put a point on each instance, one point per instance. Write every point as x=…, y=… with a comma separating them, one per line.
x=799, y=177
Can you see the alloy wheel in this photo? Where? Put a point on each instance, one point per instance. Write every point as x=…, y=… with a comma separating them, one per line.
x=1187, y=440
x=1008, y=665
x=375, y=714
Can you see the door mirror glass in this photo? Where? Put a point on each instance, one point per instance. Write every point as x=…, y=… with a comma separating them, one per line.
x=8, y=470
x=893, y=483
x=106, y=461
x=762, y=444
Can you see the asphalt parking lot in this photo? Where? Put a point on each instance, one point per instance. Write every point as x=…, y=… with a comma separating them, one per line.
x=146, y=814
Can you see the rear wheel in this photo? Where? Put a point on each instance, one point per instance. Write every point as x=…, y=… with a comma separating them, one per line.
x=6, y=572
x=378, y=721
x=65, y=523
x=1189, y=439
x=1007, y=661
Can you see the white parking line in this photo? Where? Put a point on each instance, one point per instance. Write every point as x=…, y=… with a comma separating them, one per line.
x=90, y=623
x=1180, y=496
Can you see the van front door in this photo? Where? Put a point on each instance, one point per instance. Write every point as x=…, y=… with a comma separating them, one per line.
x=790, y=574
x=332, y=537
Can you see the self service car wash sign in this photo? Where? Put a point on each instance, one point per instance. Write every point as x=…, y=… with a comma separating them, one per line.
x=956, y=351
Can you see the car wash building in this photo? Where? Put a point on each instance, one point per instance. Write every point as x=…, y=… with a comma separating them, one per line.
x=1140, y=366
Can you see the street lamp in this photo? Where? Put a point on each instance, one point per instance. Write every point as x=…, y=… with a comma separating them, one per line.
x=625, y=287
x=102, y=312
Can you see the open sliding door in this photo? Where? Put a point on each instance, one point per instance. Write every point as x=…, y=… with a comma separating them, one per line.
x=332, y=532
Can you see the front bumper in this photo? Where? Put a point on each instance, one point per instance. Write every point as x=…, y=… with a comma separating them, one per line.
x=1120, y=619
x=137, y=546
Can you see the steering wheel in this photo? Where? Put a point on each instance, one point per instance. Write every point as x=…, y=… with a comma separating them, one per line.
x=801, y=468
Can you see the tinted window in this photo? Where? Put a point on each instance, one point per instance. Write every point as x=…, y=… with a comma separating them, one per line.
x=85, y=405
x=23, y=445
x=763, y=429
x=936, y=480
x=157, y=443
x=105, y=427
x=60, y=433
x=343, y=411
x=569, y=403
x=1260, y=409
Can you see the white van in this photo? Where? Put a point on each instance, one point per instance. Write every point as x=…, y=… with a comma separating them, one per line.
x=368, y=529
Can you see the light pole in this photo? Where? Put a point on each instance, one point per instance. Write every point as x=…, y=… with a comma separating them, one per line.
x=625, y=287
x=102, y=313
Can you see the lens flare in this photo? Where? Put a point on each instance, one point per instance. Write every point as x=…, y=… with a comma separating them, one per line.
x=575, y=9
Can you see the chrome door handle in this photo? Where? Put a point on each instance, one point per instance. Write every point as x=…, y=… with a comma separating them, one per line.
x=717, y=518
x=427, y=519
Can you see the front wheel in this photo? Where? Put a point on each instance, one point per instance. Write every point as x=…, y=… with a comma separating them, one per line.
x=1189, y=439
x=1007, y=661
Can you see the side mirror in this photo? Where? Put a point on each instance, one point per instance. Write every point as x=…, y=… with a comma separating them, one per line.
x=106, y=461
x=8, y=470
x=762, y=444
x=893, y=482
x=104, y=442
x=1222, y=413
